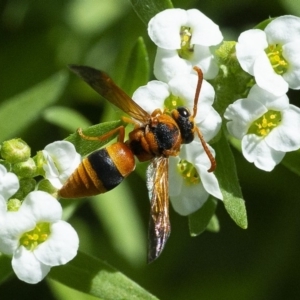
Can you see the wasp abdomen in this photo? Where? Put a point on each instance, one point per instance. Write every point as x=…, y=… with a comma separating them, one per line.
x=100, y=172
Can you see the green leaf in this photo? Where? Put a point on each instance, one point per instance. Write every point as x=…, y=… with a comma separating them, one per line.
x=137, y=72
x=213, y=224
x=5, y=267
x=83, y=146
x=147, y=9
x=292, y=161
x=22, y=110
x=199, y=220
x=262, y=25
x=66, y=118
x=127, y=233
x=228, y=181
x=291, y=6
x=92, y=276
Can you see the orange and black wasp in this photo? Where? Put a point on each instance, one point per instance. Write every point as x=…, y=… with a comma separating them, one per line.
x=155, y=137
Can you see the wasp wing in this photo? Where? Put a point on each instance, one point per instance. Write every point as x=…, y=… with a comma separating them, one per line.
x=105, y=86
x=159, y=223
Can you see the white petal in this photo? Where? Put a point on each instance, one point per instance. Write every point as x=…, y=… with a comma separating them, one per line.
x=206, y=99
x=211, y=125
x=27, y=267
x=9, y=183
x=13, y=225
x=266, y=77
x=41, y=206
x=203, y=58
x=184, y=87
x=192, y=197
x=209, y=181
x=61, y=246
x=268, y=99
x=256, y=150
x=286, y=137
x=62, y=160
x=283, y=29
x=251, y=44
x=175, y=179
x=152, y=95
x=164, y=28
x=168, y=64
x=242, y=113
x=204, y=31
x=3, y=207
x=194, y=151
x=290, y=52
x=195, y=154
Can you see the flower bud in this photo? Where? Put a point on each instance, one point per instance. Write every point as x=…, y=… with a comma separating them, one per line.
x=46, y=186
x=13, y=204
x=15, y=150
x=39, y=162
x=27, y=185
x=6, y=164
x=25, y=169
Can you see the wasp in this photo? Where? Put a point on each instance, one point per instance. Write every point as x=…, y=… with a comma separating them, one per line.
x=155, y=137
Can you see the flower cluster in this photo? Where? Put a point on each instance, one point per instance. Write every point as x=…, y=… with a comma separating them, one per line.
x=32, y=231
x=264, y=121
x=184, y=40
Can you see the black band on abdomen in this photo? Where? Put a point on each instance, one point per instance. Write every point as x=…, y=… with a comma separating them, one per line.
x=105, y=169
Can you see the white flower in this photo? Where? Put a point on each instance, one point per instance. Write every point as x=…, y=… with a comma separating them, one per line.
x=272, y=55
x=37, y=238
x=186, y=198
x=181, y=91
x=183, y=38
x=61, y=161
x=9, y=184
x=267, y=125
x=189, y=190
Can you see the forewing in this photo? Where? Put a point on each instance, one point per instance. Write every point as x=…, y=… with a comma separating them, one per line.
x=159, y=223
x=105, y=86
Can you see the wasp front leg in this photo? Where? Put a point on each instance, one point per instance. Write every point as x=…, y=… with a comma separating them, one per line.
x=120, y=130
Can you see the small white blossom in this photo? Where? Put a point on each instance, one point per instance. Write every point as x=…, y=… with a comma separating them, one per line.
x=182, y=88
x=186, y=198
x=272, y=55
x=9, y=184
x=267, y=125
x=189, y=193
x=36, y=237
x=183, y=38
x=61, y=161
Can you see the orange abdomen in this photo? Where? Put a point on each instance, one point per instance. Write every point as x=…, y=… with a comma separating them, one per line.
x=100, y=172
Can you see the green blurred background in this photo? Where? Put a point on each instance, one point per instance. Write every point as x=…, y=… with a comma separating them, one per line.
x=38, y=39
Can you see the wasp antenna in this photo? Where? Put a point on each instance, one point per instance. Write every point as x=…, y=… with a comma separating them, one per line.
x=207, y=151
x=198, y=89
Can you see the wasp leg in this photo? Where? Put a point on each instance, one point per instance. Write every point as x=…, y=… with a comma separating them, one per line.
x=131, y=121
x=120, y=130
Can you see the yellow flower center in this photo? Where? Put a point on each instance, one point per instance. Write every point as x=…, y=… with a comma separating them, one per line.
x=263, y=125
x=188, y=172
x=172, y=102
x=186, y=50
x=31, y=239
x=278, y=62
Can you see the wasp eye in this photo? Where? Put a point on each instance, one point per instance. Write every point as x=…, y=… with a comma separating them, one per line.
x=183, y=111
